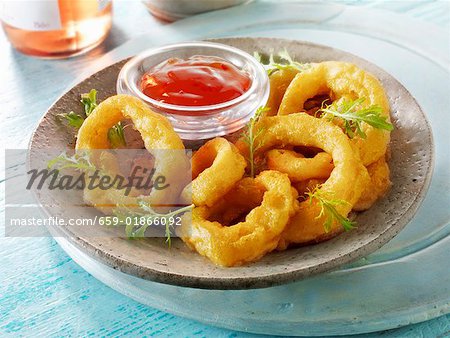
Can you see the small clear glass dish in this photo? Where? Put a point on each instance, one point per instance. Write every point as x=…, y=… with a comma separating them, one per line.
x=200, y=122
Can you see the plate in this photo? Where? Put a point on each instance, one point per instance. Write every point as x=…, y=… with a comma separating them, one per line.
x=411, y=168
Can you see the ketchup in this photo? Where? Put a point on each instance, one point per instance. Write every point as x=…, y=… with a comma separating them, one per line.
x=197, y=81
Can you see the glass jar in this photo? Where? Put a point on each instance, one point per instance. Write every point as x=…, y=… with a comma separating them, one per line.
x=194, y=123
x=56, y=28
x=172, y=10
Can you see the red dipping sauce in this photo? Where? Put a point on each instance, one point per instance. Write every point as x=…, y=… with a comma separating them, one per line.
x=197, y=81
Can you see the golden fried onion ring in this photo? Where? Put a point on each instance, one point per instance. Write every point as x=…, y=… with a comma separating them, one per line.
x=297, y=167
x=157, y=134
x=250, y=239
x=377, y=187
x=346, y=181
x=216, y=167
x=279, y=82
x=234, y=205
x=342, y=80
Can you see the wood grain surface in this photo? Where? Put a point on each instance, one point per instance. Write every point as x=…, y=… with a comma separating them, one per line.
x=43, y=292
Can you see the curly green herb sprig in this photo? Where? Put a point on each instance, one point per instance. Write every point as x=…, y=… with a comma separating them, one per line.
x=89, y=102
x=352, y=115
x=116, y=135
x=286, y=62
x=74, y=120
x=328, y=208
x=78, y=161
x=146, y=217
x=251, y=137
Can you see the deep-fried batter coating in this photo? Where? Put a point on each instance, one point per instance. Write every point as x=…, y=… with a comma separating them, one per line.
x=342, y=80
x=304, y=130
x=279, y=82
x=377, y=187
x=157, y=134
x=297, y=167
x=250, y=239
x=216, y=167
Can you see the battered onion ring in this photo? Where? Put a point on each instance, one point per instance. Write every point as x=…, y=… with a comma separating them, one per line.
x=297, y=167
x=346, y=181
x=279, y=81
x=377, y=187
x=248, y=240
x=238, y=202
x=216, y=167
x=157, y=134
x=342, y=80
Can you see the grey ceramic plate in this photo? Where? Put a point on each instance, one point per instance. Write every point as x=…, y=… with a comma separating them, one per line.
x=411, y=168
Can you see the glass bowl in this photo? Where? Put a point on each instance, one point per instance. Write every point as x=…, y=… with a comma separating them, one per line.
x=200, y=122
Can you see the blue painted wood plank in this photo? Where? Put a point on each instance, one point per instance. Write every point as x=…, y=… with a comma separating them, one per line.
x=58, y=298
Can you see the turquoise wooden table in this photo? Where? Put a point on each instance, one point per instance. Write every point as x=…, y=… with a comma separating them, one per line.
x=43, y=292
